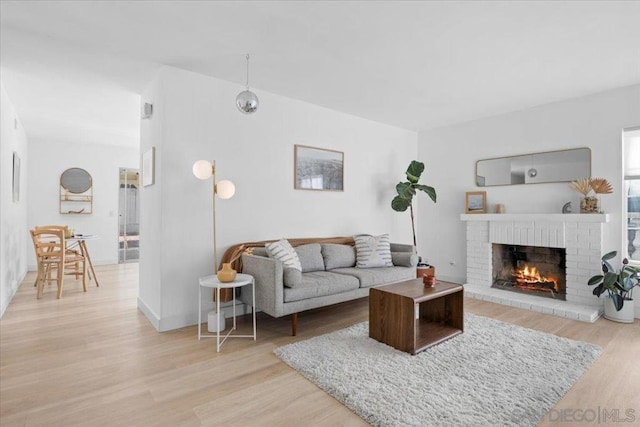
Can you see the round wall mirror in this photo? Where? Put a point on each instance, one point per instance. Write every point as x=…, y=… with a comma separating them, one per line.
x=76, y=180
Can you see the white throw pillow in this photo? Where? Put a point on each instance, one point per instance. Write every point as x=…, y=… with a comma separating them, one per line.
x=283, y=251
x=373, y=251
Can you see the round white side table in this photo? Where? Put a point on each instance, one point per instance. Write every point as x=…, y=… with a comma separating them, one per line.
x=212, y=282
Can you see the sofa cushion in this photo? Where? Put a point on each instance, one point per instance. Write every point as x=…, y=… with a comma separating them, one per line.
x=404, y=259
x=373, y=251
x=338, y=256
x=291, y=277
x=260, y=251
x=283, y=251
x=320, y=284
x=378, y=276
x=310, y=257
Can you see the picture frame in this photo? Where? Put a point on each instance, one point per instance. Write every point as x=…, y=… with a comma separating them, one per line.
x=148, y=167
x=318, y=169
x=15, y=185
x=475, y=202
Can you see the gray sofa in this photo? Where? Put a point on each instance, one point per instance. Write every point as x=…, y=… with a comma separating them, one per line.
x=329, y=276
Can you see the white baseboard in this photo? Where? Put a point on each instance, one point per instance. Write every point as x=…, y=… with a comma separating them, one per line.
x=153, y=318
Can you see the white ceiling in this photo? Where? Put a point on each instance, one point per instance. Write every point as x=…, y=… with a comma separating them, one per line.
x=74, y=69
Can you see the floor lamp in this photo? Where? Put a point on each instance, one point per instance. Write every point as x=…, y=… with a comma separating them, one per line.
x=203, y=169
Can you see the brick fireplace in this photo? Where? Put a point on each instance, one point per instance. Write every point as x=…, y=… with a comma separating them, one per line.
x=576, y=240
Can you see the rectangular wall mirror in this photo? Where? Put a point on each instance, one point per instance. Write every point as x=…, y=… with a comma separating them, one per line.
x=535, y=168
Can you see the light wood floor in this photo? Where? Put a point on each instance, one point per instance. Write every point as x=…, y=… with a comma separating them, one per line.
x=91, y=359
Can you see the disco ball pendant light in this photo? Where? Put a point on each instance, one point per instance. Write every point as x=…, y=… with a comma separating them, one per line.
x=247, y=101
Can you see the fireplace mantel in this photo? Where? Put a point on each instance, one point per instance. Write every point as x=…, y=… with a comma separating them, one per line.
x=536, y=217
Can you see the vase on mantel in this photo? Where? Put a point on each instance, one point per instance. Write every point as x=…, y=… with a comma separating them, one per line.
x=590, y=204
x=226, y=273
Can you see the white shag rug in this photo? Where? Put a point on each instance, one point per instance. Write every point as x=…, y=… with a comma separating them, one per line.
x=494, y=374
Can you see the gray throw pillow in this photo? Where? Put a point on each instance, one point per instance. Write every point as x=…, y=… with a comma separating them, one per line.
x=338, y=256
x=310, y=257
x=373, y=251
x=283, y=251
x=404, y=259
x=292, y=277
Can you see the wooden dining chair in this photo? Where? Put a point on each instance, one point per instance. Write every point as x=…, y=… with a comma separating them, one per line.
x=69, y=249
x=51, y=255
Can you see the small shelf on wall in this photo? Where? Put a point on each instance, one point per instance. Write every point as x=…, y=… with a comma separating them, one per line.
x=76, y=192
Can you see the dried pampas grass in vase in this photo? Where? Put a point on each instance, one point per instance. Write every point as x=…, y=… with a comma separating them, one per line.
x=601, y=186
x=584, y=186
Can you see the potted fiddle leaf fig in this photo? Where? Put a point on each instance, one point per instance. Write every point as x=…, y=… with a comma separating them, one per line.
x=618, y=306
x=406, y=190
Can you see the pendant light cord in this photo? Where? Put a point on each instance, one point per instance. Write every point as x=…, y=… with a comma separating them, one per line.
x=247, y=71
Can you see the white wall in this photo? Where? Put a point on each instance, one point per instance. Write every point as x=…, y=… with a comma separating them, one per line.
x=14, y=238
x=49, y=159
x=450, y=154
x=195, y=118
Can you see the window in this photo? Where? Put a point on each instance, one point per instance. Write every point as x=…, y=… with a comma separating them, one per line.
x=632, y=192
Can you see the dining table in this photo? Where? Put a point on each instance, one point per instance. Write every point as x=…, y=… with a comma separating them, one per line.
x=80, y=240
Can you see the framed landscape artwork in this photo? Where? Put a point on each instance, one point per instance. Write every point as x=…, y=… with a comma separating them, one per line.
x=476, y=202
x=318, y=169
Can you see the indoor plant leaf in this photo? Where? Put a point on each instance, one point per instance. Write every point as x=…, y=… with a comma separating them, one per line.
x=405, y=190
x=595, y=279
x=598, y=290
x=617, y=301
x=400, y=204
x=610, y=279
x=414, y=171
x=610, y=255
x=431, y=192
x=607, y=267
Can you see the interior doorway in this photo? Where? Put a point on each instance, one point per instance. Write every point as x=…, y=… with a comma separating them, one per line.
x=129, y=216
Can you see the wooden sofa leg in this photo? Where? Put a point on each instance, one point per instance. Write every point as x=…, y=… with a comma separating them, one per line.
x=294, y=324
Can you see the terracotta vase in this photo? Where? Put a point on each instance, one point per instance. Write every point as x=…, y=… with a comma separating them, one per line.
x=226, y=274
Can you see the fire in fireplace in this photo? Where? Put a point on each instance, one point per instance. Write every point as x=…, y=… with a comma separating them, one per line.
x=529, y=269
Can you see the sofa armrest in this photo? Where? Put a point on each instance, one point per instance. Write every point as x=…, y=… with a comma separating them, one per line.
x=268, y=274
x=400, y=247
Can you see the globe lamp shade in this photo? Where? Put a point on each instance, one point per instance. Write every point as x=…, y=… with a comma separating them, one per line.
x=202, y=169
x=225, y=189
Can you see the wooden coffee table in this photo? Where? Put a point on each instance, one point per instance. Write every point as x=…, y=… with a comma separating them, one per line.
x=411, y=317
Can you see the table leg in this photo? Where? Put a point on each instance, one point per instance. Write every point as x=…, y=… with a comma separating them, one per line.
x=253, y=307
x=199, y=312
x=218, y=318
x=86, y=254
x=234, y=308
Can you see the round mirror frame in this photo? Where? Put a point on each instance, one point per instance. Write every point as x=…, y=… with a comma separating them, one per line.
x=76, y=180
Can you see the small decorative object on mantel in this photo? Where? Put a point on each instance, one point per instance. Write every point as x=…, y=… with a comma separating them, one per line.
x=585, y=186
x=567, y=208
x=499, y=208
x=475, y=202
x=618, y=306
